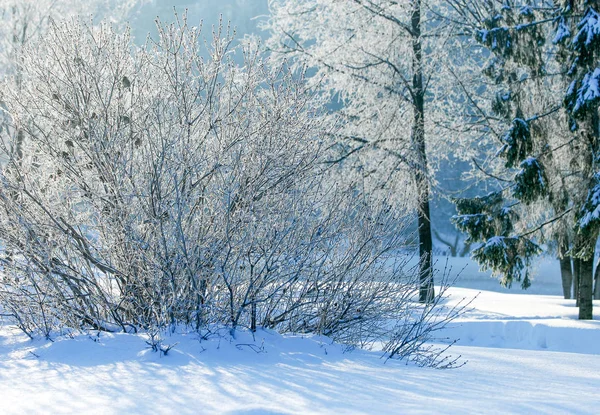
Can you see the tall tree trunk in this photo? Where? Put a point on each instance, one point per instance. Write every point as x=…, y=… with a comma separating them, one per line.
x=587, y=242
x=566, y=271
x=586, y=279
x=597, y=283
x=576, y=274
x=426, y=290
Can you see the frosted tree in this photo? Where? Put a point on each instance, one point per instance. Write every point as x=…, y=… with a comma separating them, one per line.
x=524, y=95
x=552, y=174
x=386, y=65
x=24, y=21
x=581, y=54
x=165, y=186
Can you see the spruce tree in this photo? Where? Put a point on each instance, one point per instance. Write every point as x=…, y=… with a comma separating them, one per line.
x=551, y=181
x=581, y=52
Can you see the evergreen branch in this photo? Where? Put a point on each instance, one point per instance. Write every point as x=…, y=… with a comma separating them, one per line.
x=475, y=105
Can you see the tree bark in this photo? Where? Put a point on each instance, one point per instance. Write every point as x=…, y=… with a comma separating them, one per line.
x=253, y=316
x=566, y=271
x=577, y=273
x=597, y=283
x=426, y=289
x=586, y=279
x=587, y=241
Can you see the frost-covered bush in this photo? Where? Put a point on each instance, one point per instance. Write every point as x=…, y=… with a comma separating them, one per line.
x=151, y=187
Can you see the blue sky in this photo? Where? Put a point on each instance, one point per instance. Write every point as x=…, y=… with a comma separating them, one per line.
x=241, y=13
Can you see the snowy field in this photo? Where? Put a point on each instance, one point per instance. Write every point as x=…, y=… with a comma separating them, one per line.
x=525, y=353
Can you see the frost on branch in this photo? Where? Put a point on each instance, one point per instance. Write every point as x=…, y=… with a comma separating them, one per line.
x=563, y=32
x=156, y=188
x=588, y=35
x=24, y=21
x=583, y=95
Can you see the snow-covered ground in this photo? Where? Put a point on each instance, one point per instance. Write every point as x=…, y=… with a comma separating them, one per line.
x=525, y=354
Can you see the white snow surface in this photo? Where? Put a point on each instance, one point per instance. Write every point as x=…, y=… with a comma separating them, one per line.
x=524, y=353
